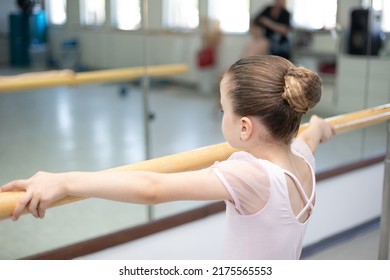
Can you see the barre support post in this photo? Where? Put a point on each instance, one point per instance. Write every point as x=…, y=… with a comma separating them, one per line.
x=385, y=215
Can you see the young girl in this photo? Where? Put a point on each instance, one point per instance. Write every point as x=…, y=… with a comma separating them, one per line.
x=269, y=187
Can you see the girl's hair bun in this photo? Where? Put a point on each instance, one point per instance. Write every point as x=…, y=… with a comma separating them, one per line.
x=302, y=89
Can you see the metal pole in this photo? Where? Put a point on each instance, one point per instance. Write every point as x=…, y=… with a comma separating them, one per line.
x=145, y=90
x=145, y=79
x=385, y=216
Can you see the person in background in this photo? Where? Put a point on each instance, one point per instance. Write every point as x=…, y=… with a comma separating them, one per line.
x=276, y=21
x=257, y=44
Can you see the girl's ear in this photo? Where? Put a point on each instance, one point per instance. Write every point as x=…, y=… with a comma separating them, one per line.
x=246, y=128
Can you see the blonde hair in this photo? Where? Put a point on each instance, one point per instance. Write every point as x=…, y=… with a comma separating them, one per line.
x=274, y=90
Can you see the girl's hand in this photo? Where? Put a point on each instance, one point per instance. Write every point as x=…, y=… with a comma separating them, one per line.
x=327, y=131
x=319, y=131
x=42, y=190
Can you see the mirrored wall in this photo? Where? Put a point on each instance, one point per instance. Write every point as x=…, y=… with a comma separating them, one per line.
x=102, y=125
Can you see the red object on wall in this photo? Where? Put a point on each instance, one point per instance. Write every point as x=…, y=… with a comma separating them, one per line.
x=206, y=57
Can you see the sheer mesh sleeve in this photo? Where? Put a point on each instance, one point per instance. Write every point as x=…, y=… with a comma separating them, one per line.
x=300, y=147
x=246, y=180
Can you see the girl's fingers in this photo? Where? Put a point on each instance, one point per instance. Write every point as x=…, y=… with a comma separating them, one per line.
x=16, y=185
x=21, y=206
x=33, y=206
x=31, y=200
x=41, y=210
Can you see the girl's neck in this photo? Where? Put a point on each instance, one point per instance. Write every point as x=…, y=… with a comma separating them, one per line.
x=279, y=154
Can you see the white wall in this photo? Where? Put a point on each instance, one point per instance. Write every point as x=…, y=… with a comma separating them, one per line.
x=346, y=201
x=6, y=8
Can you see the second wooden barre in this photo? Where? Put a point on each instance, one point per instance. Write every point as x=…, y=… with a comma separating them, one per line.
x=68, y=78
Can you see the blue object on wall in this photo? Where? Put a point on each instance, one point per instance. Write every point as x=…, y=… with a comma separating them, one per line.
x=38, y=28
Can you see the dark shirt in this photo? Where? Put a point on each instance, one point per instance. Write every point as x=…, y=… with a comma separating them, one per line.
x=279, y=44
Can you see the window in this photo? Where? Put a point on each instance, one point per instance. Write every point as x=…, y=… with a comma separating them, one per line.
x=126, y=14
x=56, y=11
x=384, y=6
x=233, y=15
x=93, y=12
x=317, y=14
x=180, y=14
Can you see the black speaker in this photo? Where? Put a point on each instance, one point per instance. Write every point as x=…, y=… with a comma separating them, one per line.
x=365, y=34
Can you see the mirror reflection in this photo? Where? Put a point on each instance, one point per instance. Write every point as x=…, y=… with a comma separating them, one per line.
x=100, y=125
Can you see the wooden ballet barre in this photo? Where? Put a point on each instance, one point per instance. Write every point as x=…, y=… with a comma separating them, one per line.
x=206, y=156
x=68, y=78
x=357, y=120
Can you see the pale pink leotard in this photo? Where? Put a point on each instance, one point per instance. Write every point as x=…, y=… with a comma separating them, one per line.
x=259, y=219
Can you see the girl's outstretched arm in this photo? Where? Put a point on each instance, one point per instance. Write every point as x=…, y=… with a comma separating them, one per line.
x=318, y=132
x=44, y=188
